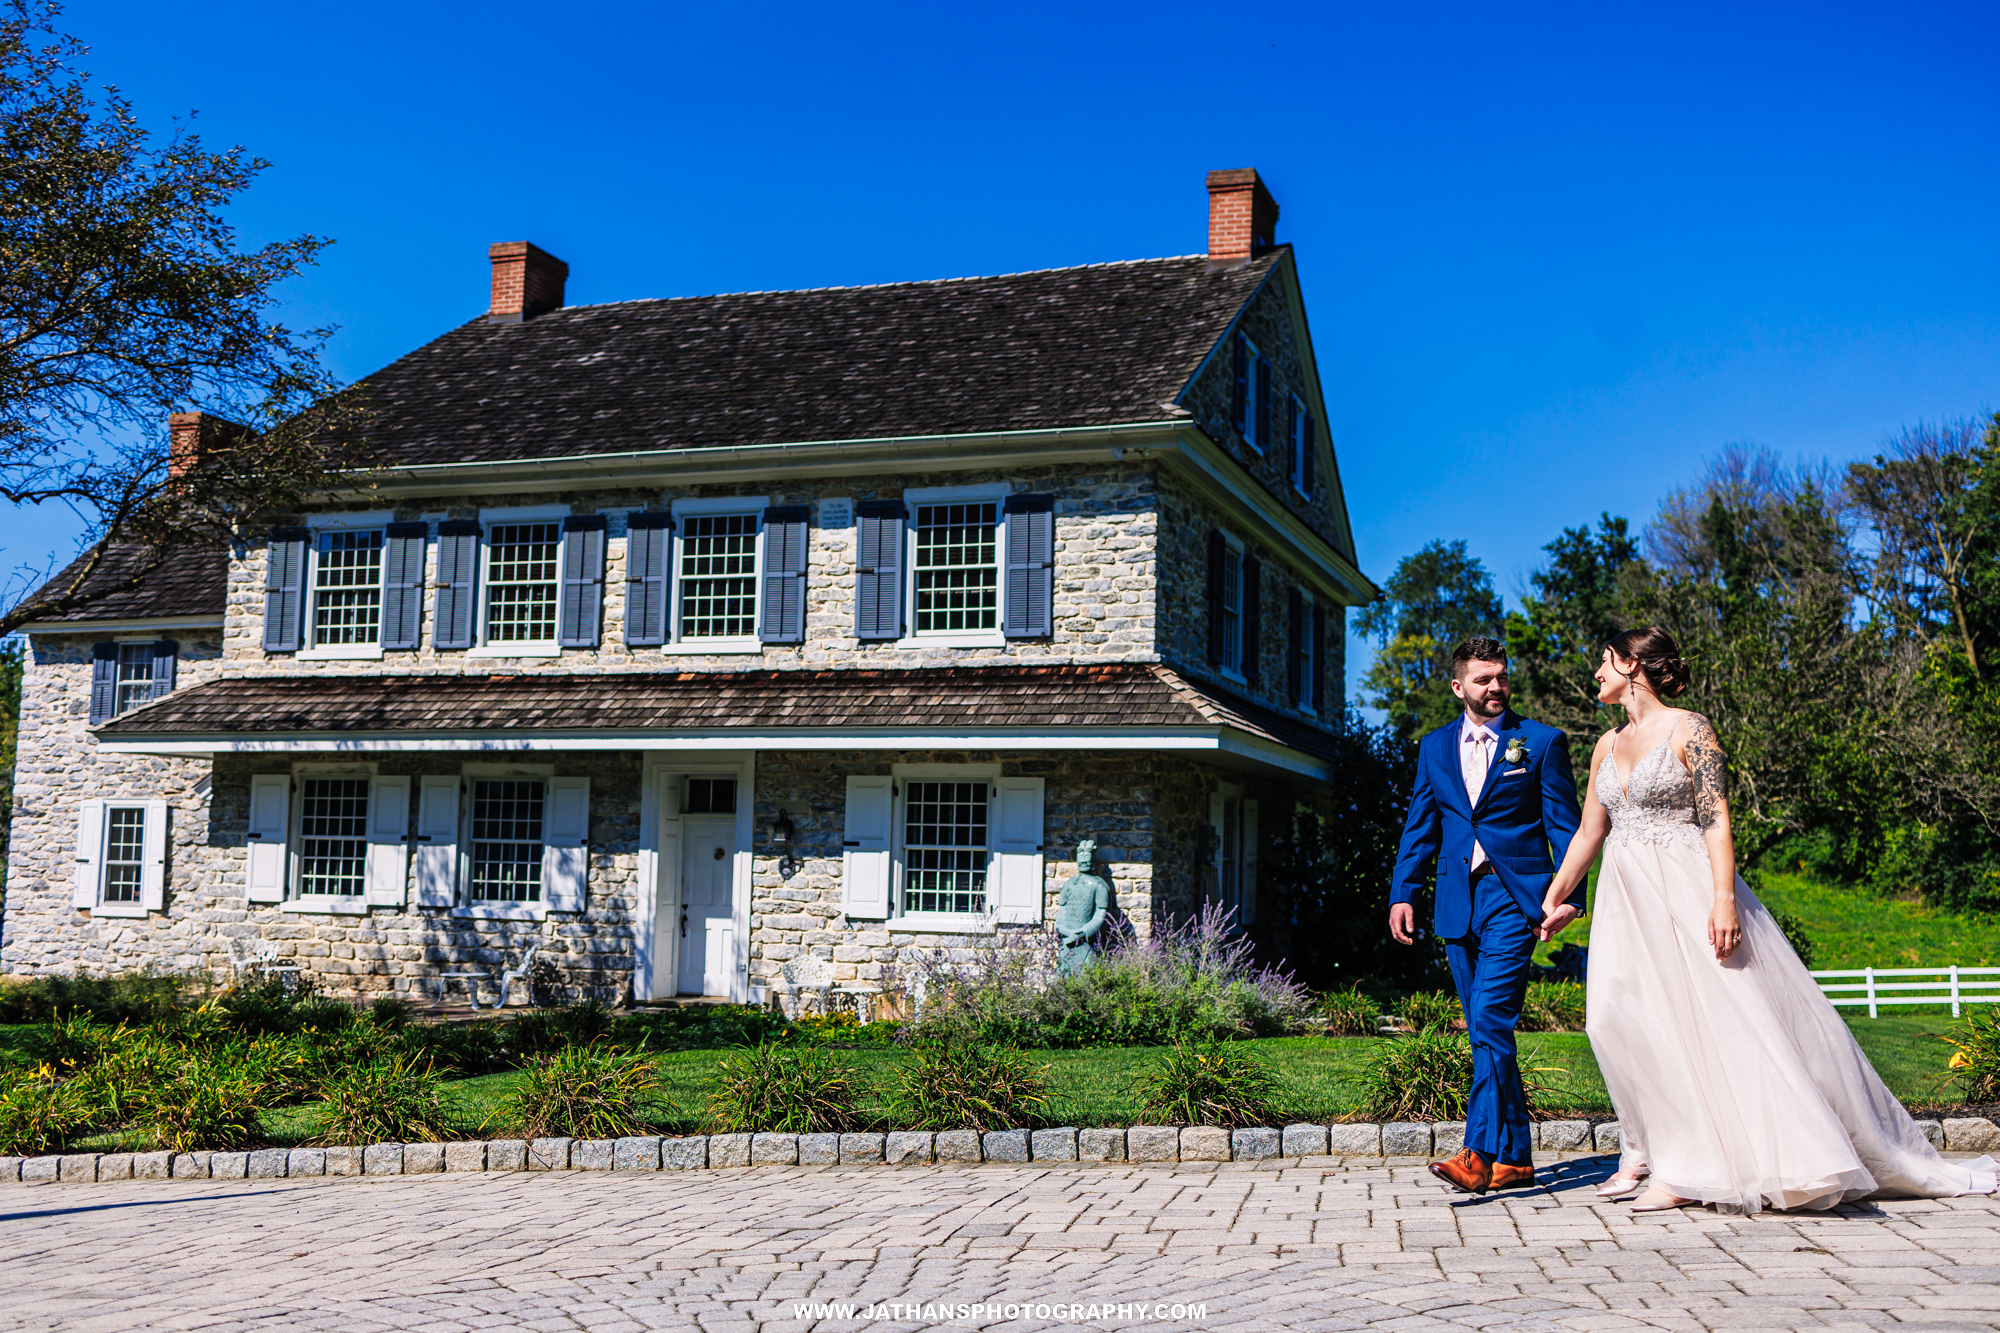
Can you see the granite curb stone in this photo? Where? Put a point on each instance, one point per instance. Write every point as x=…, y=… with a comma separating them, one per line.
x=819, y=1149
x=548, y=1155
x=774, y=1150
x=683, y=1154
x=506, y=1154
x=39, y=1170
x=305, y=1162
x=1152, y=1143
x=1355, y=1140
x=1005, y=1145
x=1306, y=1141
x=1447, y=1137
x=236, y=1165
x=339, y=1162
x=377, y=1159
x=1933, y=1132
x=10, y=1169
x=1259, y=1144
x=958, y=1145
x=1204, y=1143
x=908, y=1147
x=862, y=1149
x=187, y=1166
x=465, y=1156
x=145, y=1166
x=269, y=1163
x=1100, y=1145
x=1971, y=1134
x=423, y=1159
x=1608, y=1138
x=636, y=1152
x=115, y=1166
x=1054, y=1145
x=591, y=1154
x=728, y=1150
x=80, y=1166
x=1560, y=1135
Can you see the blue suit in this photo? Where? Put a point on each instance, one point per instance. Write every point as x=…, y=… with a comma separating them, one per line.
x=1488, y=926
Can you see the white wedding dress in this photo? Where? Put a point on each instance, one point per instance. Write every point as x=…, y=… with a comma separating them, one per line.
x=1735, y=1082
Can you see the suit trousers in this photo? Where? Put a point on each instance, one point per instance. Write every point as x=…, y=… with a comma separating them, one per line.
x=1490, y=968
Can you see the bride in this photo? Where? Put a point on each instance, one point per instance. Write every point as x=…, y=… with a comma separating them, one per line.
x=1736, y=1083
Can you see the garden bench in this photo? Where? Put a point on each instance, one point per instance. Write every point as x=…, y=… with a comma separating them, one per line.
x=472, y=978
x=811, y=980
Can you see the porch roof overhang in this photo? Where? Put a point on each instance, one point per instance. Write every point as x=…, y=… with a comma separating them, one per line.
x=1123, y=706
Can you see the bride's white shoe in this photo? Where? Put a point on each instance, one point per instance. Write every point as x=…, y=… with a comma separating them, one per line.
x=1658, y=1201
x=1622, y=1184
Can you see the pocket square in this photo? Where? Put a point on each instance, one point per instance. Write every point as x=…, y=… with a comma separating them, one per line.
x=1513, y=772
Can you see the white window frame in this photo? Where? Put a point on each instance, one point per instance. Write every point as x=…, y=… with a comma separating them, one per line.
x=93, y=861
x=322, y=904
x=1233, y=670
x=124, y=641
x=1297, y=445
x=930, y=495
x=463, y=906
x=1251, y=357
x=752, y=506
x=1309, y=659
x=488, y=520
x=902, y=775
x=377, y=521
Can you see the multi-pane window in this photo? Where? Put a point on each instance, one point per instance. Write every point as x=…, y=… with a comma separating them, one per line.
x=957, y=567
x=718, y=576
x=944, y=847
x=135, y=674
x=711, y=796
x=1308, y=650
x=521, y=564
x=333, y=836
x=506, y=859
x=1232, y=607
x=347, y=589
x=124, y=852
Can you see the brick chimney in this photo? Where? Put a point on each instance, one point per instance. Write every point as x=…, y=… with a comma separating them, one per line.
x=1242, y=217
x=190, y=435
x=527, y=281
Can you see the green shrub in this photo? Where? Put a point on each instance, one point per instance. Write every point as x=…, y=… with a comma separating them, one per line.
x=1431, y=1009
x=1976, y=1061
x=1210, y=1083
x=390, y=1011
x=390, y=1099
x=125, y=997
x=1349, y=1013
x=1552, y=1006
x=952, y=1083
x=42, y=1114
x=76, y=1042
x=1425, y=1076
x=774, y=1089
x=842, y=1029
x=323, y=1013
x=583, y=1092
x=194, y=1102
x=273, y=1005
x=540, y=1031
x=696, y=1027
x=466, y=1049
x=1796, y=936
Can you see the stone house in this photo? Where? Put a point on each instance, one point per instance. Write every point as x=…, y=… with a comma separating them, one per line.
x=690, y=641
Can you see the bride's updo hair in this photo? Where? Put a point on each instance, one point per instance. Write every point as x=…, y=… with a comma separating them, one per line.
x=1658, y=659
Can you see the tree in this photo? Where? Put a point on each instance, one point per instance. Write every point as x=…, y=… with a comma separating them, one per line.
x=1435, y=600
x=1555, y=641
x=123, y=298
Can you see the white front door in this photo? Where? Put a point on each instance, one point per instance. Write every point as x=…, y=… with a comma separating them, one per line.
x=705, y=921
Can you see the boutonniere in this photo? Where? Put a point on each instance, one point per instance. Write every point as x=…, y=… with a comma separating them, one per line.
x=1517, y=752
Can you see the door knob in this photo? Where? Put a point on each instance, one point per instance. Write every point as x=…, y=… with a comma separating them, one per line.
x=718, y=853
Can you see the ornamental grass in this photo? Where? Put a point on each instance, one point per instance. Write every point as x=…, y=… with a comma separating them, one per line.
x=583, y=1092
x=1209, y=1083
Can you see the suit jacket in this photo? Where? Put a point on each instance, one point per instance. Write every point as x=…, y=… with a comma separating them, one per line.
x=1520, y=811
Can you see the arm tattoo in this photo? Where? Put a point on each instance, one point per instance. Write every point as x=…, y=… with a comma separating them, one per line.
x=1709, y=771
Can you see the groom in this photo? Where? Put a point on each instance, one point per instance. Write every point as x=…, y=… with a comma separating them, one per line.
x=1493, y=792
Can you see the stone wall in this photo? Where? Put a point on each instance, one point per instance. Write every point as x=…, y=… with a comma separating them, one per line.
x=1104, y=586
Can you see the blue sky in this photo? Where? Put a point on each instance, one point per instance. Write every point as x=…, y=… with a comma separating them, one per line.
x=1552, y=257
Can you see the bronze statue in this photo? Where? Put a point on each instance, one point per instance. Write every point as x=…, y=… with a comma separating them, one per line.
x=1080, y=912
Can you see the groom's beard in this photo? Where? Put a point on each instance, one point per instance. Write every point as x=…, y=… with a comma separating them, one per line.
x=1493, y=705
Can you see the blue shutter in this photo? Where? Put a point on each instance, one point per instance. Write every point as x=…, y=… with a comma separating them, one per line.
x=103, y=682
x=1216, y=550
x=1031, y=559
x=1294, y=649
x=1319, y=658
x=403, y=585
x=457, y=569
x=165, y=653
x=1263, y=440
x=648, y=551
x=581, y=610
x=1239, y=389
x=1253, y=616
x=284, y=589
x=878, y=579
x=784, y=611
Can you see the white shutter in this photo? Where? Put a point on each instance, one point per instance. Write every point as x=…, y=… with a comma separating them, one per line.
x=270, y=820
x=153, y=858
x=388, y=869
x=437, y=841
x=566, y=844
x=1016, y=867
x=1215, y=873
x=1249, y=914
x=864, y=870
x=89, y=854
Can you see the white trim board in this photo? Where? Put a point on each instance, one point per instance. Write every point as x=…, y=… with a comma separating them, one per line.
x=137, y=624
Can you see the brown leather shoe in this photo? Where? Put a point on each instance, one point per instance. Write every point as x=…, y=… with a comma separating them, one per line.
x=1511, y=1177
x=1467, y=1173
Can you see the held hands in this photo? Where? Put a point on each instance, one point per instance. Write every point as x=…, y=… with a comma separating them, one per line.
x=1725, y=932
x=1556, y=914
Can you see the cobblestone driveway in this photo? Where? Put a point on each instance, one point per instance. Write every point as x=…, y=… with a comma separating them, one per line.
x=1319, y=1245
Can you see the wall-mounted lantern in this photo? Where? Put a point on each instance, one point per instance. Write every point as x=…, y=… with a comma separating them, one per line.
x=783, y=834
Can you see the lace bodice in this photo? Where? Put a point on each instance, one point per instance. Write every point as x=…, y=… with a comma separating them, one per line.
x=1656, y=806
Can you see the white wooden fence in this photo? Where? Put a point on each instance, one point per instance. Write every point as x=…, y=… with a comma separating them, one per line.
x=1877, y=986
